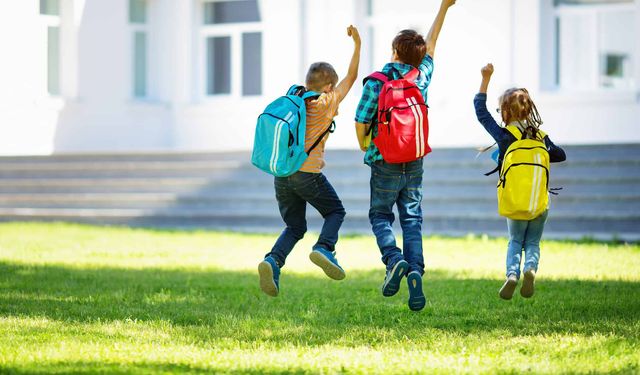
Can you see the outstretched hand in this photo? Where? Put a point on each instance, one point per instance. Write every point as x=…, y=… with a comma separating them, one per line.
x=487, y=71
x=448, y=3
x=352, y=31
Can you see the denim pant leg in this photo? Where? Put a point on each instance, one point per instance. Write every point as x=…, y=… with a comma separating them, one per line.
x=384, y=193
x=532, y=242
x=293, y=210
x=517, y=231
x=410, y=212
x=323, y=197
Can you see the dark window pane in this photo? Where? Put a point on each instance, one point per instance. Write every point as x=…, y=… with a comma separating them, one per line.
x=218, y=65
x=53, y=60
x=231, y=12
x=50, y=7
x=137, y=11
x=251, y=63
x=614, y=65
x=140, y=64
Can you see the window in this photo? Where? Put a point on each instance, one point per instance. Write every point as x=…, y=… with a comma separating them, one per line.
x=251, y=70
x=50, y=7
x=230, y=12
x=219, y=65
x=139, y=31
x=595, y=44
x=50, y=11
x=232, y=36
x=53, y=60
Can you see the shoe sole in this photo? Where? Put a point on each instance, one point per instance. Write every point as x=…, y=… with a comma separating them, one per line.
x=417, y=300
x=528, y=285
x=266, y=279
x=327, y=266
x=506, y=292
x=392, y=286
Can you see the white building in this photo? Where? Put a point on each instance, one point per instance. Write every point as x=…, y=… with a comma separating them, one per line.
x=192, y=75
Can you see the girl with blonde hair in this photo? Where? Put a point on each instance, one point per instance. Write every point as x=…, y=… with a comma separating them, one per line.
x=517, y=109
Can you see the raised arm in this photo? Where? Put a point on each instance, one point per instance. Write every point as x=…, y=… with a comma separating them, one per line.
x=352, y=74
x=434, y=32
x=480, y=104
x=486, y=72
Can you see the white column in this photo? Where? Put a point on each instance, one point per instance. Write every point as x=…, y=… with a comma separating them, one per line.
x=525, y=46
x=636, y=57
x=70, y=16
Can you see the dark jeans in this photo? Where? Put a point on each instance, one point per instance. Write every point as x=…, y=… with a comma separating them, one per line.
x=293, y=193
x=399, y=184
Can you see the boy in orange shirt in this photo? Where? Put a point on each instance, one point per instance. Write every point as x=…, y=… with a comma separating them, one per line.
x=309, y=185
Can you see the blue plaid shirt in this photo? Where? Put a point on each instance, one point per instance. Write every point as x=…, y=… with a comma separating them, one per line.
x=367, y=111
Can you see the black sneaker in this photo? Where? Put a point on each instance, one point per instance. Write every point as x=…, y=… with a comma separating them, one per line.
x=392, y=280
x=417, y=299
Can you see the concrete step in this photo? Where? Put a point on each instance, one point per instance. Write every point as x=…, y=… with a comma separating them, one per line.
x=618, y=152
x=602, y=205
x=263, y=184
x=558, y=226
x=601, y=193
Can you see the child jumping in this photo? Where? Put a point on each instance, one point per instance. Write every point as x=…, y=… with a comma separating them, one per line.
x=521, y=118
x=309, y=185
x=399, y=184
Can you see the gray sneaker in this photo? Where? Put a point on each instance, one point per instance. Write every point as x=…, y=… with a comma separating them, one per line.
x=528, y=283
x=509, y=286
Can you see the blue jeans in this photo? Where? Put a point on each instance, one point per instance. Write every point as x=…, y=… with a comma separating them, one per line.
x=292, y=194
x=524, y=234
x=399, y=184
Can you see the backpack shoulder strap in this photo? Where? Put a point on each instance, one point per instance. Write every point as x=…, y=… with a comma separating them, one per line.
x=378, y=76
x=412, y=75
x=301, y=91
x=542, y=134
x=296, y=90
x=310, y=95
x=514, y=131
x=330, y=129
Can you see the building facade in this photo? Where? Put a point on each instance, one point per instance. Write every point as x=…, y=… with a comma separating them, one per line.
x=192, y=75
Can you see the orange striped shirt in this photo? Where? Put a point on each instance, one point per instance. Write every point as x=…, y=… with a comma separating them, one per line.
x=320, y=114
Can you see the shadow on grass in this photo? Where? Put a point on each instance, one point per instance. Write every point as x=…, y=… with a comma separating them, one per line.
x=222, y=305
x=84, y=367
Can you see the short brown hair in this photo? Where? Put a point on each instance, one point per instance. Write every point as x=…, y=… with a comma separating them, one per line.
x=320, y=74
x=410, y=47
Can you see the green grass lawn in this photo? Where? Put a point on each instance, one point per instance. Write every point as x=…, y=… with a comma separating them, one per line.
x=82, y=299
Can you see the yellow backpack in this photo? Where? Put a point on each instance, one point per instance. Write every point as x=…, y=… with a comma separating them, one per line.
x=524, y=178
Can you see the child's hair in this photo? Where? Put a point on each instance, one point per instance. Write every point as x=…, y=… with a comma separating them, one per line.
x=319, y=75
x=516, y=105
x=410, y=47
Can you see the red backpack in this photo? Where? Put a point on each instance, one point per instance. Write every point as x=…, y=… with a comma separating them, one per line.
x=403, y=125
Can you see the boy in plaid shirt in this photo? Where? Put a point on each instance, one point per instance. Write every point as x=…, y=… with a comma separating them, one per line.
x=399, y=184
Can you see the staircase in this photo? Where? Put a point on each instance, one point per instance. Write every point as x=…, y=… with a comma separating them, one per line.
x=600, y=197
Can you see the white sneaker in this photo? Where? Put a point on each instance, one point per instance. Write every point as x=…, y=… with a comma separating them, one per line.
x=528, y=283
x=509, y=286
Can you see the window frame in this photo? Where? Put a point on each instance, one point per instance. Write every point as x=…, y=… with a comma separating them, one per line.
x=47, y=21
x=234, y=31
x=593, y=11
x=134, y=28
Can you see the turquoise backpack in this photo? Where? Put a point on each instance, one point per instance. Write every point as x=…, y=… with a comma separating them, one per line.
x=278, y=145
